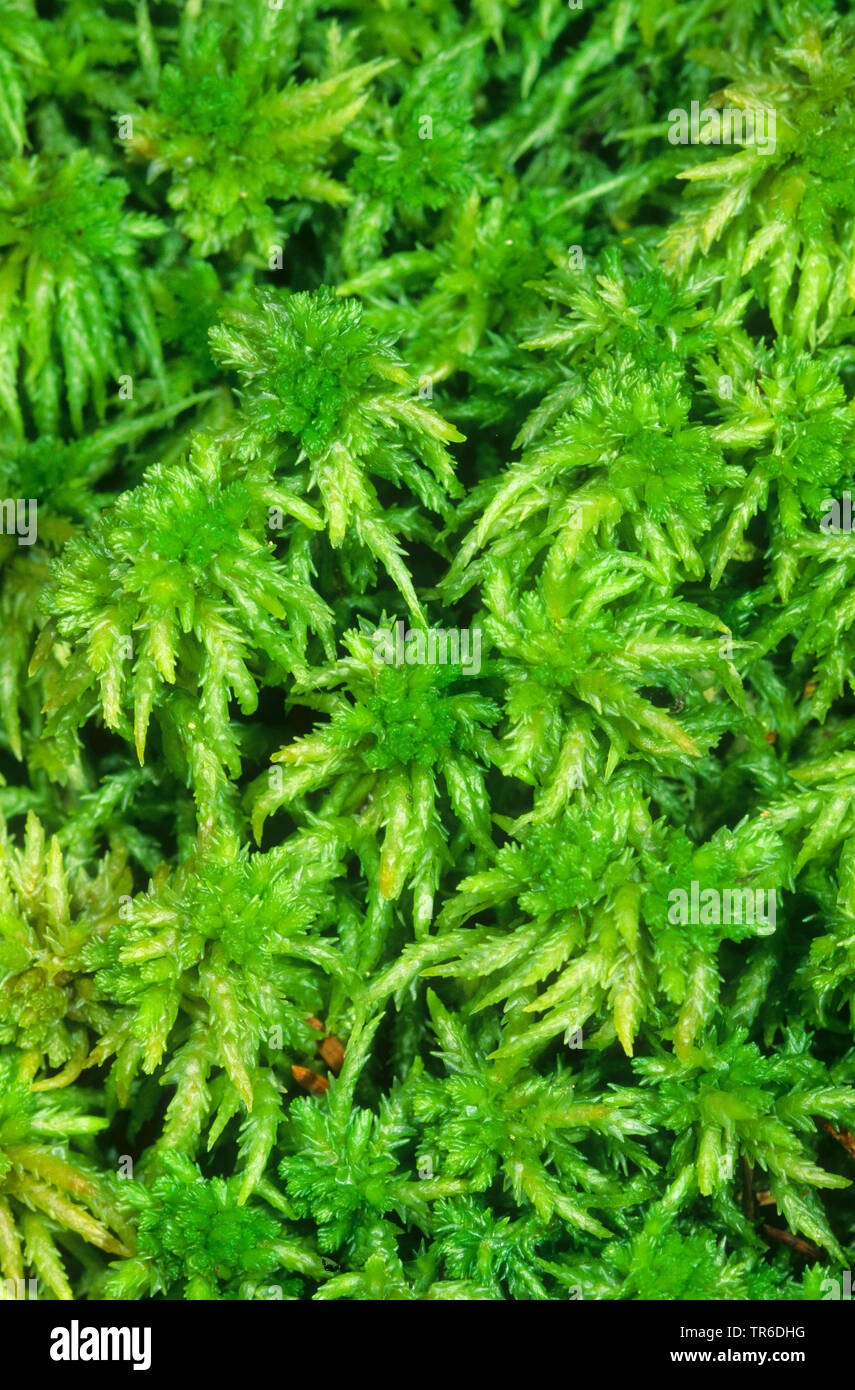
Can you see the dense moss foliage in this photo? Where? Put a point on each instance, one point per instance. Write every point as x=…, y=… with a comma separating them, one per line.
x=427, y=755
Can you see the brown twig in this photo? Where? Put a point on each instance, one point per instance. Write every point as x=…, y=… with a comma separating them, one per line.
x=310, y=1081
x=333, y=1053
x=802, y=1247
x=842, y=1136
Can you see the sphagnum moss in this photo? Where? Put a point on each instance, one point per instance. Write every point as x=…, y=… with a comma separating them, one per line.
x=337, y=347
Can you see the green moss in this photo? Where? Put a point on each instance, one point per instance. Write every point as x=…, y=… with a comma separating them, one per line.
x=512, y=977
